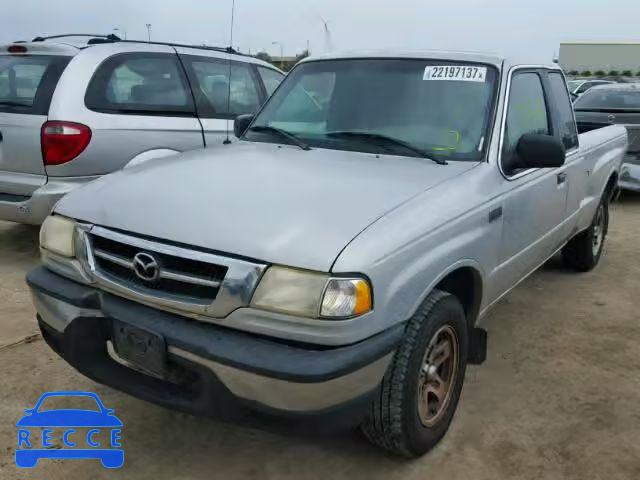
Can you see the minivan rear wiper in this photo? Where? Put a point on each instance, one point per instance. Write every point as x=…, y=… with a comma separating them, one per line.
x=384, y=139
x=283, y=133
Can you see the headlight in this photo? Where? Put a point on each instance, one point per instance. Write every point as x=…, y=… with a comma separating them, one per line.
x=56, y=235
x=312, y=294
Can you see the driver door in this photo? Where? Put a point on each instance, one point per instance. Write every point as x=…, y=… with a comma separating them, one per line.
x=535, y=203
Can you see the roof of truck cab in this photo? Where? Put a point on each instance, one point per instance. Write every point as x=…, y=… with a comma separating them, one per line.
x=461, y=56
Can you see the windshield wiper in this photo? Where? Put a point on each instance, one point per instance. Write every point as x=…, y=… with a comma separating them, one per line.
x=283, y=133
x=609, y=110
x=8, y=103
x=386, y=140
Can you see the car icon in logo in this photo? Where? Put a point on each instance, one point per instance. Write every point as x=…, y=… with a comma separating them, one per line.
x=68, y=419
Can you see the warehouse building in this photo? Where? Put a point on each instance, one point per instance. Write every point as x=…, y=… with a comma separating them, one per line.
x=600, y=56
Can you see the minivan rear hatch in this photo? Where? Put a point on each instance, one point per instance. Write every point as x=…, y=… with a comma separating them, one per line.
x=29, y=74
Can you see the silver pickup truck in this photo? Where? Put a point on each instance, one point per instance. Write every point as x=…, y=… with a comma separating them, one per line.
x=333, y=264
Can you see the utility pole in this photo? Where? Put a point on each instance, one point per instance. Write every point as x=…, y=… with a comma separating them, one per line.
x=148, y=25
x=281, y=54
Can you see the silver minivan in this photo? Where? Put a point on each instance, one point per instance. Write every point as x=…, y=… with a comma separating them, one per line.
x=70, y=113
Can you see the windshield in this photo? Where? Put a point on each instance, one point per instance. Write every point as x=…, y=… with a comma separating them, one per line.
x=608, y=99
x=440, y=108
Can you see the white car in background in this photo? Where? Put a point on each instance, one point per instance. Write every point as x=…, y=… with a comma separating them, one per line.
x=578, y=86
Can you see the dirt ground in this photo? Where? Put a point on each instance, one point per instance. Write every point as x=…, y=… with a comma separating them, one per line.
x=558, y=398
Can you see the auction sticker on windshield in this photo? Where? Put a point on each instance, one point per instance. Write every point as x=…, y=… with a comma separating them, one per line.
x=460, y=73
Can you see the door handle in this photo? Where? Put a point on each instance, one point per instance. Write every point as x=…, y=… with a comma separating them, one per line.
x=562, y=178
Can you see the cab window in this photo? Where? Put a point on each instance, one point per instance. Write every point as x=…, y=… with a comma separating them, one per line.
x=526, y=113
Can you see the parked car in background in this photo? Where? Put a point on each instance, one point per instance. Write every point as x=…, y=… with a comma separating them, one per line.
x=617, y=104
x=335, y=262
x=579, y=86
x=69, y=114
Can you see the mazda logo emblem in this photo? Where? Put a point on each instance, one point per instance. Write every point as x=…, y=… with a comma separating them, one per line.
x=146, y=267
x=612, y=118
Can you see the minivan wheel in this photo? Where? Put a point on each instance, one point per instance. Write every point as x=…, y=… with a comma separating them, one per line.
x=420, y=391
x=583, y=252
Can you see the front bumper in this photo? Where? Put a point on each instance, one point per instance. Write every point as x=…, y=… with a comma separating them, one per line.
x=214, y=370
x=35, y=208
x=630, y=177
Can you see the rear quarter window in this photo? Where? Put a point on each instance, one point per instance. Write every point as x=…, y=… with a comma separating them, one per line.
x=140, y=84
x=27, y=82
x=564, y=123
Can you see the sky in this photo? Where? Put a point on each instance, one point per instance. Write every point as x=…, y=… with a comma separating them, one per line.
x=529, y=30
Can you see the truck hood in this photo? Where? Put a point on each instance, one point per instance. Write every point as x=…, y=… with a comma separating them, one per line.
x=274, y=203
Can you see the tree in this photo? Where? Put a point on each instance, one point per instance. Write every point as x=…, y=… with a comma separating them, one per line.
x=264, y=56
x=627, y=73
x=574, y=73
x=614, y=73
x=302, y=55
x=586, y=73
x=638, y=73
x=599, y=73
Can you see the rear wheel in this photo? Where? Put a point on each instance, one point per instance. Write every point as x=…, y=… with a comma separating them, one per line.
x=421, y=389
x=584, y=251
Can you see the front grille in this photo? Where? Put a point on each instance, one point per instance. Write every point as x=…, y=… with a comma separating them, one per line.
x=178, y=278
x=634, y=139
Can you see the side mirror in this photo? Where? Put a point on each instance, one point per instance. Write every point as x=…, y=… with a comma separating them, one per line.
x=539, y=151
x=241, y=124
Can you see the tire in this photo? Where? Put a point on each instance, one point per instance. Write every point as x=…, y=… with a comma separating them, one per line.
x=398, y=420
x=583, y=252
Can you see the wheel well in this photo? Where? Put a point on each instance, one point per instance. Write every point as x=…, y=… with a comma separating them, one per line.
x=466, y=284
x=611, y=185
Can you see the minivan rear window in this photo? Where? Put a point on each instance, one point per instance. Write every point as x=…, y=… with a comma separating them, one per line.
x=27, y=82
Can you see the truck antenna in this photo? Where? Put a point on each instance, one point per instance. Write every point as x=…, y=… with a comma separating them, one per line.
x=227, y=140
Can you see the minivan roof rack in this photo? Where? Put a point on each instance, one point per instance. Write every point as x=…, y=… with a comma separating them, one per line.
x=111, y=37
x=96, y=39
x=201, y=47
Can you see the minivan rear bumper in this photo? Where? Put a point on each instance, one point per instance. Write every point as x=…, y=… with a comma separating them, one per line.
x=214, y=371
x=630, y=176
x=34, y=209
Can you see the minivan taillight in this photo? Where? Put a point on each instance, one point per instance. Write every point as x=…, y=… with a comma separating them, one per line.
x=63, y=141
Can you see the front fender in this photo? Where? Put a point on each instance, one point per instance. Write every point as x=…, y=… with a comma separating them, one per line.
x=463, y=263
x=403, y=278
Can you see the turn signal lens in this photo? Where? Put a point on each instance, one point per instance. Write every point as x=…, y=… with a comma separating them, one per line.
x=346, y=298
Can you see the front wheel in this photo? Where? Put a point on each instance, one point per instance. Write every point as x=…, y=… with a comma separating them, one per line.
x=420, y=391
x=583, y=252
